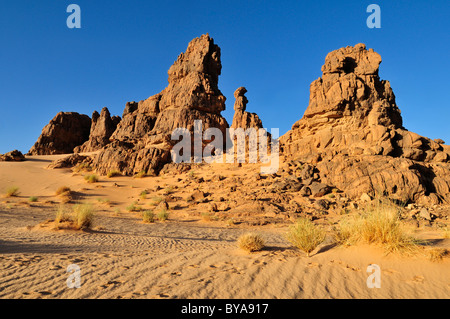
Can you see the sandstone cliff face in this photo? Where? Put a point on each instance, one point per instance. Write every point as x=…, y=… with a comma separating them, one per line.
x=102, y=127
x=142, y=140
x=352, y=132
x=64, y=132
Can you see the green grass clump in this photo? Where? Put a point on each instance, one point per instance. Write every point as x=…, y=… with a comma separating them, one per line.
x=33, y=199
x=305, y=235
x=133, y=207
x=143, y=194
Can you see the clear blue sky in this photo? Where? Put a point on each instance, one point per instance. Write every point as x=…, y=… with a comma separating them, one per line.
x=274, y=48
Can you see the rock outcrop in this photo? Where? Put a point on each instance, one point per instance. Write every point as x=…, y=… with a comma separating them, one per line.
x=352, y=132
x=13, y=156
x=64, y=132
x=102, y=127
x=242, y=118
x=142, y=140
x=70, y=161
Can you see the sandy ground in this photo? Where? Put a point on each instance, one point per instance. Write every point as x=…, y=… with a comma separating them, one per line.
x=183, y=257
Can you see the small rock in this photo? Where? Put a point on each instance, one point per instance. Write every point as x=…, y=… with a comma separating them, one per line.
x=319, y=189
x=425, y=214
x=365, y=198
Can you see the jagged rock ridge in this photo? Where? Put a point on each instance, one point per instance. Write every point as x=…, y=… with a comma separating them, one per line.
x=142, y=140
x=103, y=126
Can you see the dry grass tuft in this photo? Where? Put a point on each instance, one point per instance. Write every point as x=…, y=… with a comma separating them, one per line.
x=141, y=174
x=148, y=216
x=251, y=242
x=113, y=173
x=91, y=178
x=379, y=224
x=163, y=215
x=62, y=189
x=12, y=191
x=305, y=235
x=80, y=217
x=65, y=193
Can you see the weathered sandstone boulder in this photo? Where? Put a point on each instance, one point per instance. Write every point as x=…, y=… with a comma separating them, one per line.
x=13, y=156
x=64, y=132
x=102, y=127
x=70, y=161
x=142, y=140
x=352, y=132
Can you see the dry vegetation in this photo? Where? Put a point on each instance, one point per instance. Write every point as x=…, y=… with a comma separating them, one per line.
x=305, y=235
x=12, y=191
x=251, y=242
x=91, y=178
x=79, y=217
x=378, y=224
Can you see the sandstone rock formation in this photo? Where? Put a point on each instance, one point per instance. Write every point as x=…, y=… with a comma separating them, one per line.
x=242, y=118
x=64, y=132
x=142, y=140
x=352, y=132
x=102, y=127
x=13, y=156
x=70, y=161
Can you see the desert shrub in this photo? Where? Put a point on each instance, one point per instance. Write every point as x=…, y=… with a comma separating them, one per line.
x=63, y=214
x=133, y=207
x=65, y=193
x=33, y=199
x=113, y=173
x=143, y=194
x=91, y=178
x=62, y=189
x=148, y=216
x=83, y=216
x=437, y=254
x=378, y=224
x=163, y=215
x=12, y=191
x=305, y=235
x=251, y=242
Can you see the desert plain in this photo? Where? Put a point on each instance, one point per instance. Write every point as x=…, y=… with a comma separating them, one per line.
x=192, y=254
